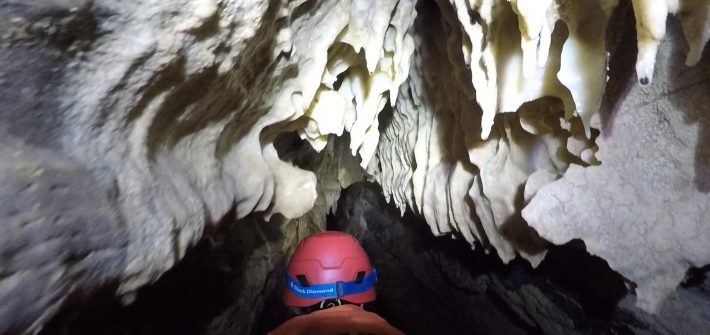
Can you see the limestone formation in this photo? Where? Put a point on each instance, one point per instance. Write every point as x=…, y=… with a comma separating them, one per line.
x=644, y=208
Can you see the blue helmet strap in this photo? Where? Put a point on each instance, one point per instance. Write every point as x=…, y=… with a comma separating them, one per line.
x=338, y=289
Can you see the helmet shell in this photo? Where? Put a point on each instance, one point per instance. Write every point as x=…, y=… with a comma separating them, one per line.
x=328, y=257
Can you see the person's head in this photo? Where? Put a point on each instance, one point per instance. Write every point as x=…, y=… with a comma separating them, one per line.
x=328, y=269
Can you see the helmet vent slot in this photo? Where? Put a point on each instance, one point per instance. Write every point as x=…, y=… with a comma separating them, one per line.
x=303, y=281
x=360, y=277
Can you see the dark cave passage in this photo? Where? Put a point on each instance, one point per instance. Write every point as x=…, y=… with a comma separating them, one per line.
x=427, y=285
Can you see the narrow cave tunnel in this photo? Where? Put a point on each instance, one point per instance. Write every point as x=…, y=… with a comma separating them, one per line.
x=428, y=285
x=510, y=167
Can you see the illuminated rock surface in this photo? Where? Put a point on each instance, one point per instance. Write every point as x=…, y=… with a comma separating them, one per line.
x=644, y=208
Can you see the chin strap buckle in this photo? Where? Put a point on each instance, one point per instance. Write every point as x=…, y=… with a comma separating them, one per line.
x=330, y=303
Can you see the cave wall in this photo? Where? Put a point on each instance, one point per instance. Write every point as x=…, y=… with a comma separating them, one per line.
x=130, y=129
x=645, y=205
x=230, y=284
x=454, y=289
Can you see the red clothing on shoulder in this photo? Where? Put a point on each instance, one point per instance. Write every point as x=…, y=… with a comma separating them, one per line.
x=345, y=319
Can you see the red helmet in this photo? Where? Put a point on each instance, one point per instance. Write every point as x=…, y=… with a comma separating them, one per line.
x=329, y=265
